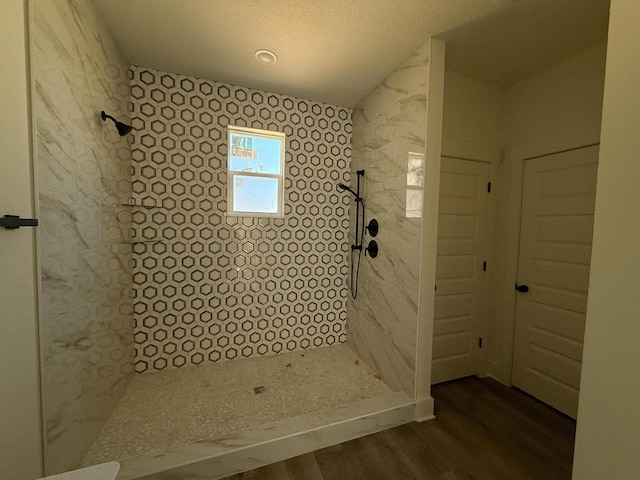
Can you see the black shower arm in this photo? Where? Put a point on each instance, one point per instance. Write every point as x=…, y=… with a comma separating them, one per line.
x=105, y=116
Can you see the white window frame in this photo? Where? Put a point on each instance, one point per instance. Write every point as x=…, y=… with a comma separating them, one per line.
x=254, y=132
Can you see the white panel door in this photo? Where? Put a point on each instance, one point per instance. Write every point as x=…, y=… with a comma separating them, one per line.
x=459, y=268
x=555, y=254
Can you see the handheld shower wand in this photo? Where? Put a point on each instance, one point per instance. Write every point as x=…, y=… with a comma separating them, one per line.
x=345, y=187
x=359, y=235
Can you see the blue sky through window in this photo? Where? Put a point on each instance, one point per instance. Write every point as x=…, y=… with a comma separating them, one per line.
x=255, y=194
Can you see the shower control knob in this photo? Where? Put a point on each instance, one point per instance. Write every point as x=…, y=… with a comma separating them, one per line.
x=372, y=228
x=372, y=249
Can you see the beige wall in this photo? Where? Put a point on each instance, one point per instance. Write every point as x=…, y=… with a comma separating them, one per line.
x=473, y=112
x=472, y=128
x=20, y=433
x=556, y=109
x=608, y=432
x=429, y=234
x=560, y=107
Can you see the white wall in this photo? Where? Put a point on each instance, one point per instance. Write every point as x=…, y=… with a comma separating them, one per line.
x=608, y=432
x=20, y=433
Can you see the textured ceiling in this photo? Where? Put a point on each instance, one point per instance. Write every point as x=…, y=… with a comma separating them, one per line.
x=336, y=51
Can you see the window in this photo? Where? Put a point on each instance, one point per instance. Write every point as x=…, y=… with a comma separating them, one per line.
x=415, y=185
x=256, y=171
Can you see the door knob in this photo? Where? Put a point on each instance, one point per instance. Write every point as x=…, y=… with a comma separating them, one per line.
x=522, y=288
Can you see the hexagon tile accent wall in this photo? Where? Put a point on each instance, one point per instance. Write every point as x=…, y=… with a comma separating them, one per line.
x=210, y=287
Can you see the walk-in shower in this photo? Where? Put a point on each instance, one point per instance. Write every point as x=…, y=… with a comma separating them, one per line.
x=148, y=286
x=146, y=279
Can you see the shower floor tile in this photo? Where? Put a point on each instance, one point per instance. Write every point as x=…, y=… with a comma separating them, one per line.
x=175, y=407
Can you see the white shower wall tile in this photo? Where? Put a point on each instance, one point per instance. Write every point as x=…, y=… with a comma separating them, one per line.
x=389, y=124
x=83, y=166
x=217, y=287
x=56, y=166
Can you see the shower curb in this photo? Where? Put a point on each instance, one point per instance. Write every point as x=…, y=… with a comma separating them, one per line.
x=258, y=446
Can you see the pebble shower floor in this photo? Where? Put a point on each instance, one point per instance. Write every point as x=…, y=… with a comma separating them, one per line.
x=173, y=407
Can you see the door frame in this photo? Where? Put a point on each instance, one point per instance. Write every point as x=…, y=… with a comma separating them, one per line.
x=501, y=358
x=491, y=154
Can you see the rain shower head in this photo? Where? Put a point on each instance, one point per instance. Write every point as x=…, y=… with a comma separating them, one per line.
x=123, y=128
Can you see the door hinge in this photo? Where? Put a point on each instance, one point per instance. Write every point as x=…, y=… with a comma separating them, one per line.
x=484, y=266
x=480, y=342
x=489, y=187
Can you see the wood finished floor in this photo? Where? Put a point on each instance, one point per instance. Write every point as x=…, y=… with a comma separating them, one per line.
x=482, y=431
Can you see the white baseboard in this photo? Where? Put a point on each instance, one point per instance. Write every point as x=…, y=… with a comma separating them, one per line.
x=424, y=409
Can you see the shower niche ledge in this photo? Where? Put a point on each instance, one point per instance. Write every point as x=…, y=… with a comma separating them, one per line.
x=143, y=241
x=255, y=447
x=133, y=204
x=140, y=205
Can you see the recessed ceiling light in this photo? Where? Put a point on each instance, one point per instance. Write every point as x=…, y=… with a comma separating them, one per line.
x=266, y=57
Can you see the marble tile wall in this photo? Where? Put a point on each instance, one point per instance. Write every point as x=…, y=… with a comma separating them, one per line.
x=215, y=287
x=83, y=175
x=389, y=134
